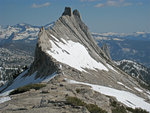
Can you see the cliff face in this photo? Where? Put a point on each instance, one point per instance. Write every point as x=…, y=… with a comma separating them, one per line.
x=43, y=63
x=106, y=50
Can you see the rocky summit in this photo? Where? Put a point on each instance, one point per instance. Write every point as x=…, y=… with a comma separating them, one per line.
x=77, y=75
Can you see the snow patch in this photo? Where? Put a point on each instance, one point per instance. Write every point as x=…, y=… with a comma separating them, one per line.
x=138, y=89
x=54, y=37
x=109, y=66
x=127, y=98
x=124, y=85
x=2, y=82
x=75, y=55
x=120, y=83
x=148, y=94
x=48, y=78
x=22, y=81
x=4, y=99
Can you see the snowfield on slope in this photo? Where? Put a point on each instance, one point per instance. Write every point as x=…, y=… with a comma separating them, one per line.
x=127, y=98
x=73, y=54
x=22, y=81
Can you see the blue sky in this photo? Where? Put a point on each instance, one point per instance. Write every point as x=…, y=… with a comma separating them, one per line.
x=100, y=15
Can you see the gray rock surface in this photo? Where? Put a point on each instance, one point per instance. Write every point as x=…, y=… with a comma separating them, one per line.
x=106, y=50
x=43, y=63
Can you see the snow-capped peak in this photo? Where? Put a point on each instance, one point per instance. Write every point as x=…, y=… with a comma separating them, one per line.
x=23, y=32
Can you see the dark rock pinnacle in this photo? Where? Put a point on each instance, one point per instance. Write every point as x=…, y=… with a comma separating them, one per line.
x=67, y=11
x=42, y=29
x=76, y=13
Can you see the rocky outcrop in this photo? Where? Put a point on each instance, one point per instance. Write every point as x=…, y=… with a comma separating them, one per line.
x=106, y=50
x=68, y=11
x=76, y=13
x=43, y=63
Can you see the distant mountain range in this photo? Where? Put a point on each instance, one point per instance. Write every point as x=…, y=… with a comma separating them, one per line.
x=17, y=44
x=21, y=32
x=27, y=32
x=119, y=36
x=134, y=46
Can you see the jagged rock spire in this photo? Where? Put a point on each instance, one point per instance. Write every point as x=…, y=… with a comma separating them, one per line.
x=67, y=11
x=76, y=13
x=106, y=50
x=69, y=25
x=42, y=29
